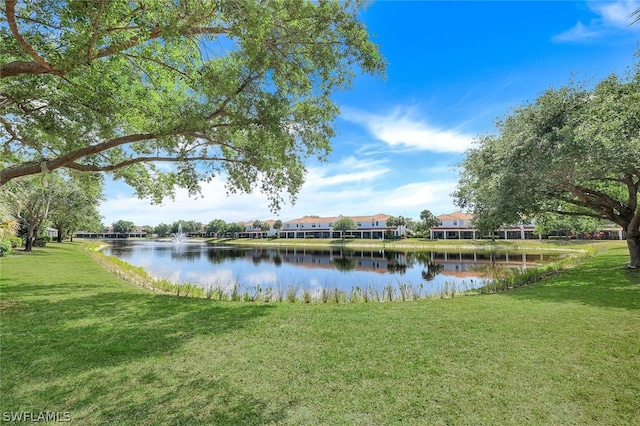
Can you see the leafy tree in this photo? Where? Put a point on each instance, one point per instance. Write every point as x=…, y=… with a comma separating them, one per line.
x=429, y=219
x=572, y=152
x=67, y=201
x=236, y=228
x=162, y=229
x=263, y=226
x=216, y=227
x=148, y=229
x=194, y=226
x=123, y=227
x=396, y=222
x=188, y=226
x=344, y=223
x=74, y=205
x=8, y=224
x=210, y=88
x=31, y=198
x=277, y=225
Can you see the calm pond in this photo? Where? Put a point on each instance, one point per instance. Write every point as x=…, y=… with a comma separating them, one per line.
x=314, y=269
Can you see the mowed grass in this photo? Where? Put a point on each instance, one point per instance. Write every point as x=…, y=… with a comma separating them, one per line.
x=74, y=338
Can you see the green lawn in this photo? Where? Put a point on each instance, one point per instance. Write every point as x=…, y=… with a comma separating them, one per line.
x=77, y=339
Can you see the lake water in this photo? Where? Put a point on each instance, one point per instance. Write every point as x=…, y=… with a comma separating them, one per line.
x=313, y=269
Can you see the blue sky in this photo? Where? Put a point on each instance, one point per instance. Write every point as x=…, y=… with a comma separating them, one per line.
x=454, y=68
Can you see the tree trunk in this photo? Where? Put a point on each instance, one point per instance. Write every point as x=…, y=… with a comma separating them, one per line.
x=633, y=242
x=28, y=243
x=60, y=234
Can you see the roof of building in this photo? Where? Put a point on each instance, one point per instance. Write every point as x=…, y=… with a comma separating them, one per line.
x=456, y=215
x=317, y=219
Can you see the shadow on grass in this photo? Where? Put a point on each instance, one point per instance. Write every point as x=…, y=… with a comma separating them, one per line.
x=216, y=403
x=601, y=281
x=82, y=354
x=107, y=329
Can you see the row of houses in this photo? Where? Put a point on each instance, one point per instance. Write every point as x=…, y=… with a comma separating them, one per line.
x=367, y=227
x=456, y=225
x=459, y=225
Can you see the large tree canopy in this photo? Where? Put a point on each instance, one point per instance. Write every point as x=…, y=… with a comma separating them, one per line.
x=574, y=151
x=240, y=88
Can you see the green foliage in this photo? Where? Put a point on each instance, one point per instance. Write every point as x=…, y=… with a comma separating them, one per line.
x=235, y=228
x=74, y=205
x=124, y=226
x=573, y=152
x=188, y=226
x=162, y=229
x=15, y=242
x=8, y=223
x=41, y=242
x=216, y=227
x=207, y=88
x=344, y=223
x=429, y=219
x=30, y=199
x=263, y=226
x=549, y=224
x=5, y=247
x=394, y=221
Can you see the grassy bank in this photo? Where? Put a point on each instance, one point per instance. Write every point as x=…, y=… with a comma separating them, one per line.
x=75, y=338
x=416, y=243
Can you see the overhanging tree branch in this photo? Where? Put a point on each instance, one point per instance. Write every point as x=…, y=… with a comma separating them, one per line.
x=13, y=25
x=112, y=167
x=34, y=167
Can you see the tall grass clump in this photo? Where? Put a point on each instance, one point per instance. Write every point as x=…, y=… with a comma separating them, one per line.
x=502, y=279
x=389, y=293
x=292, y=293
x=236, y=294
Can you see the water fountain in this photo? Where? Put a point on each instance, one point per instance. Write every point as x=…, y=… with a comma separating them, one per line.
x=179, y=237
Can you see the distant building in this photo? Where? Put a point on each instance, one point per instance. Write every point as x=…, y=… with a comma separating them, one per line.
x=458, y=226
x=373, y=226
x=108, y=232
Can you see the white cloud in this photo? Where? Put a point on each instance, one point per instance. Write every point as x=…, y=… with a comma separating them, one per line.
x=616, y=14
x=432, y=195
x=400, y=129
x=610, y=15
x=324, y=194
x=345, y=173
x=578, y=33
x=344, y=181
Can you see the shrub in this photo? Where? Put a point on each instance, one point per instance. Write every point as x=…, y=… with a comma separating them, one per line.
x=40, y=242
x=5, y=247
x=15, y=242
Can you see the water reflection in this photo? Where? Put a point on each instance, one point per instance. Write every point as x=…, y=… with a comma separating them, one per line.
x=314, y=268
